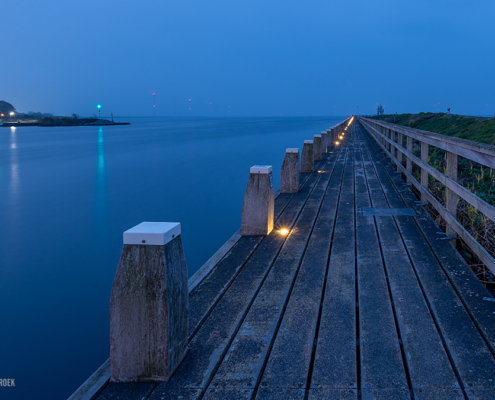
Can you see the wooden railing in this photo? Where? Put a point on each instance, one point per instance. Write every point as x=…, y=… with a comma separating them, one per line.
x=390, y=139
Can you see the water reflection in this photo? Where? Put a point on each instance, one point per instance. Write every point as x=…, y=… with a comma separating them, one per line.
x=101, y=187
x=14, y=167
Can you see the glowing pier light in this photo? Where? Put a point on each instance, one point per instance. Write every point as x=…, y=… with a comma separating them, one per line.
x=337, y=143
x=284, y=231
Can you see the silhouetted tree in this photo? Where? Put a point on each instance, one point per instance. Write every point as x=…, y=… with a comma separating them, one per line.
x=6, y=108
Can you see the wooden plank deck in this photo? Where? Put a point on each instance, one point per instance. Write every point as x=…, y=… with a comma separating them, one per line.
x=348, y=305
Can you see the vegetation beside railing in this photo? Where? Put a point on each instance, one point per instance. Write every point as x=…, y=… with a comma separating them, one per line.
x=473, y=176
x=478, y=129
x=478, y=225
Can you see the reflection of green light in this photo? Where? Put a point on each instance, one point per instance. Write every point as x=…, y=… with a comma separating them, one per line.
x=101, y=153
x=98, y=106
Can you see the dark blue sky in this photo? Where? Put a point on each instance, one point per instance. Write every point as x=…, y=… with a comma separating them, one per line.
x=261, y=58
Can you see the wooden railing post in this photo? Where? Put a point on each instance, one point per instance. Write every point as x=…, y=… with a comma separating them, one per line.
x=387, y=134
x=399, y=141
x=393, y=137
x=149, y=304
x=450, y=196
x=395, y=151
x=408, y=160
x=424, y=172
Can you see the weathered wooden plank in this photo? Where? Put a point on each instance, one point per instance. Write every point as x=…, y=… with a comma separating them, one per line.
x=162, y=393
x=438, y=394
x=126, y=391
x=466, y=283
x=228, y=393
x=427, y=362
x=94, y=384
x=480, y=394
x=209, y=344
x=472, y=358
x=213, y=261
x=335, y=364
x=280, y=394
x=456, y=322
x=297, y=331
x=204, y=296
x=386, y=394
x=244, y=360
x=332, y=394
x=381, y=359
x=483, y=255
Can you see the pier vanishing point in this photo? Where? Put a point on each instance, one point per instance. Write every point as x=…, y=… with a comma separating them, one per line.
x=339, y=287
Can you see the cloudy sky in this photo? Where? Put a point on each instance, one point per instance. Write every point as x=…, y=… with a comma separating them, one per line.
x=248, y=58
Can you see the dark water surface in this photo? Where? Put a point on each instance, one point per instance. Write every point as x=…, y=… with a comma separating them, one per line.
x=66, y=196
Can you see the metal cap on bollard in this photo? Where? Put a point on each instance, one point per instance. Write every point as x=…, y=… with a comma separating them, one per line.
x=260, y=169
x=152, y=233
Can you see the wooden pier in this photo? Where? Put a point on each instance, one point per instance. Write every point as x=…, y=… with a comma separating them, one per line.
x=362, y=298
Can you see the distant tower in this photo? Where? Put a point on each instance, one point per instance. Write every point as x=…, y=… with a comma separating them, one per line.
x=448, y=110
x=379, y=110
x=154, y=105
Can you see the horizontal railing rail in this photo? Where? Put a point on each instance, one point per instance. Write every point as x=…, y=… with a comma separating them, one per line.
x=390, y=138
x=477, y=152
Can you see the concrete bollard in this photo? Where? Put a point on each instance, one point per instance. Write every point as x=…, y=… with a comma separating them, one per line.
x=317, y=147
x=324, y=142
x=329, y=138
x=289, y=173
x=333, y=136
x=149, y=304
x=307, y=157
x=258, y=209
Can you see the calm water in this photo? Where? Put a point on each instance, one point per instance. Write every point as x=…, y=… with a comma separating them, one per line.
x=66, y=196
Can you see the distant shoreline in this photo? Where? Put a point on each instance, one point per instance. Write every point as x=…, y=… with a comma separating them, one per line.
x=63, y=121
